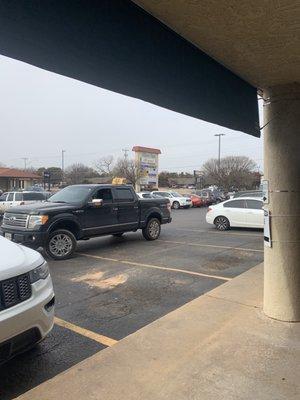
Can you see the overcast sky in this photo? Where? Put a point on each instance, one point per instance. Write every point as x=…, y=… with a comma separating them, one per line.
x=42, y=113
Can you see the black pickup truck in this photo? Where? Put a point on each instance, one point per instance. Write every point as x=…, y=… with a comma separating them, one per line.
x=80, y=212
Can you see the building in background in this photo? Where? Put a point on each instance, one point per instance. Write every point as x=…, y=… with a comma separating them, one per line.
x=16, y=179
x=146, y=161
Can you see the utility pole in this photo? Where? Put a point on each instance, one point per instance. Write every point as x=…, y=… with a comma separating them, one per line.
x=125, y=151
x=219, y=152
x=62, y=164
x=25, y=159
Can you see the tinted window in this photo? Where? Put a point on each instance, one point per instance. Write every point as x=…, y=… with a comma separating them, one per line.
x=10, y=197
x=235, y=204
x=33, y=196
x=18, y=197
x=104, y=194
x=124, y=195
x=71, y=194
x=254, y=204
x=146, y=195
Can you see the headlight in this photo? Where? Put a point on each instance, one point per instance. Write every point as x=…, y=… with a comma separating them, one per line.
x=37, y=220
x=38, y=273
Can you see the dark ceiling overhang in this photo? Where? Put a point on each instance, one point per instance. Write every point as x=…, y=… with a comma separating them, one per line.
x=116, y=45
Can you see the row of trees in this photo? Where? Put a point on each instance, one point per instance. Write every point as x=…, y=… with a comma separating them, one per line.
x=232, y=172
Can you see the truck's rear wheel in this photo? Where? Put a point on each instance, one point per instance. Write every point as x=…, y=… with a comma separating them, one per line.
x=61, y=244
x=152, y=229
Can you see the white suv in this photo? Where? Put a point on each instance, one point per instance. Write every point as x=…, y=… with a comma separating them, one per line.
x=12, y=199
x=176, y=199
x=26, y=299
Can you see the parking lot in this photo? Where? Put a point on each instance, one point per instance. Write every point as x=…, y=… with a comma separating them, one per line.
x=115, y=286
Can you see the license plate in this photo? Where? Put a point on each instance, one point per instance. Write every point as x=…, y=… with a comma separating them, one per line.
x=8, y=236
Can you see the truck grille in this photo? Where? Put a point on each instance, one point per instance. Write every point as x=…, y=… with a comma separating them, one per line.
x=11, y=219
x=14, y=290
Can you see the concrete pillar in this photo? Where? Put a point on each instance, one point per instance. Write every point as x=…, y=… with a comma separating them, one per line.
x=282, y=169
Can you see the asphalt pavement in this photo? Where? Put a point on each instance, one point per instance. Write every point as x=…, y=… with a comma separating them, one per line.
x=115, y=286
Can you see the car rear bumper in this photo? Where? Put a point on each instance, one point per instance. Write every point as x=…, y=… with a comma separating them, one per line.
x=26, y=323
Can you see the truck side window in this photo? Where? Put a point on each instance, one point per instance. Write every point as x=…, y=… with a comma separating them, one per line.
x=104, y=194
x=124, y=195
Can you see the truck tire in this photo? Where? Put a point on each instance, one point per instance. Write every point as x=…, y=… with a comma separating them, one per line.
x=61, y=244
x=152, y=229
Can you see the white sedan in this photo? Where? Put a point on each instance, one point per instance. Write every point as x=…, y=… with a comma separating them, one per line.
x=176, y=199
x=243, y=212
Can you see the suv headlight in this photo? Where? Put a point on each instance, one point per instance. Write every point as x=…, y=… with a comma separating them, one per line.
x=38, y=273
x=37, y=220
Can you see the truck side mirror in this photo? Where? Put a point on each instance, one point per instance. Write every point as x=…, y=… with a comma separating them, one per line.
x=96, y=203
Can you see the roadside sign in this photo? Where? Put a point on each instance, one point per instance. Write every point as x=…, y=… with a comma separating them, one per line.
x=265, y=186
x=267, y=229
x=46, y=174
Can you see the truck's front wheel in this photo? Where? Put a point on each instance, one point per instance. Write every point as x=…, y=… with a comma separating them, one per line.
x=152, y=229
x=61, y=244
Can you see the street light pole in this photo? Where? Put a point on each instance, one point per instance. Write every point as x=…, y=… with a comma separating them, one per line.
x=62, y=163
x=219, y=152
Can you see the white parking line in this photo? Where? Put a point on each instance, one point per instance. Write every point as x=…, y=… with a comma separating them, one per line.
x=210, y=245
x=136, y=264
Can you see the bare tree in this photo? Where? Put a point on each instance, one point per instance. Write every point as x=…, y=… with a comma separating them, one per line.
x=125, y=168
x=234, y=171
x=105, y=165
x=79, y=173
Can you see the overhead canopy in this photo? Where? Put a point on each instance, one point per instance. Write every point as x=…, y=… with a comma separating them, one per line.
x=116, y=45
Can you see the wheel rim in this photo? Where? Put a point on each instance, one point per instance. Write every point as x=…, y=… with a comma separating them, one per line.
x=221, y=223
x=154, y=229
x=60, y=245
x=176, y=205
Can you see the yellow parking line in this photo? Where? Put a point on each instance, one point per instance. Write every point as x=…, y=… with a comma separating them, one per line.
x=135, y=264
x=85, y=332
x=211, y=245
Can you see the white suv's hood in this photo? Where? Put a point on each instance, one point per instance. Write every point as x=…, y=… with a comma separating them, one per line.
x=16, y=259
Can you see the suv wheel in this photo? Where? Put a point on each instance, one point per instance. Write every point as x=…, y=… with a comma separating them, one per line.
x=176, y=205
x=222, y=223
x=152, y=229
x=61, y=244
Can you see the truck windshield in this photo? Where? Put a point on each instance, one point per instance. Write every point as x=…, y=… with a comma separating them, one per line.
x=71, y=194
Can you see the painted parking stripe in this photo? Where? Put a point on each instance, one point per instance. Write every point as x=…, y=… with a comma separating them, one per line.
x=85, y=332
x=136, y=264
x=210, y=245
x=220, y=233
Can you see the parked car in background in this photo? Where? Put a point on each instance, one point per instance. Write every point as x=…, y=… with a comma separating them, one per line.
x=248, y=193
x=177, y=200
x=26, y=299
x=145, y=195
x=196, y=200
x=206, y=195
x=12, y=199
x=242, y=212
